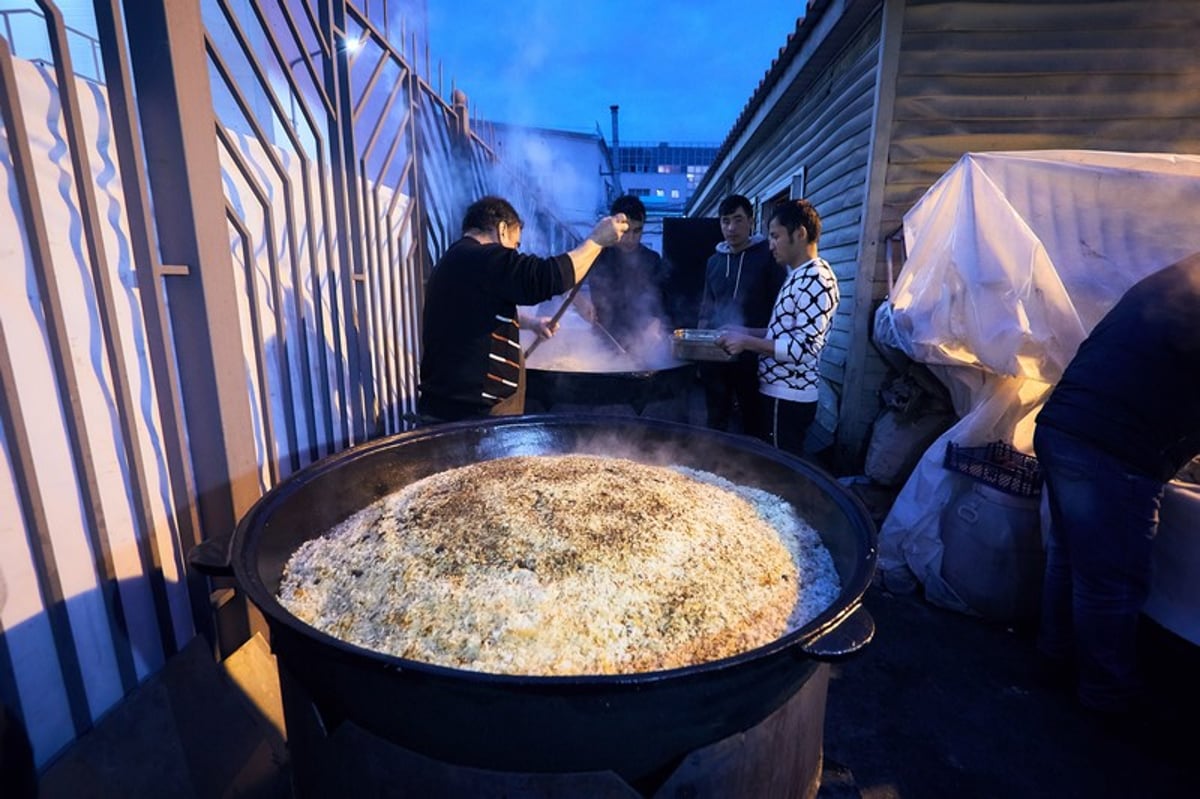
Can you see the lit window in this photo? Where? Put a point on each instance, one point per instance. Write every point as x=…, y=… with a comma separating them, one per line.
x=674, y=194
x=659, y=193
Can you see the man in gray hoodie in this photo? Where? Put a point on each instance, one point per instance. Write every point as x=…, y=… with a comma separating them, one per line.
x=741, y=282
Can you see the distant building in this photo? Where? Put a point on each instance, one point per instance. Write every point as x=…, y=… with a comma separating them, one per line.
x=581, y=174
x=663, y=176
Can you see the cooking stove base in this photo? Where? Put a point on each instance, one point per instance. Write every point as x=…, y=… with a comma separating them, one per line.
x=779, y=758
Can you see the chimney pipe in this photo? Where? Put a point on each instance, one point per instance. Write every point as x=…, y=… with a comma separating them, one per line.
x=614, y=154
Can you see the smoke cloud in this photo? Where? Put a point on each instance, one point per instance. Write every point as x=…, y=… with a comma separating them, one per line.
x=581, y=346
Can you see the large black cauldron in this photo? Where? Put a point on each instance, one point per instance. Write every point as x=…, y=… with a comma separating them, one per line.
x=632, y=724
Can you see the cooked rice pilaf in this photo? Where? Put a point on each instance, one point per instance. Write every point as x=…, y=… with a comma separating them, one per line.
x=561, y=565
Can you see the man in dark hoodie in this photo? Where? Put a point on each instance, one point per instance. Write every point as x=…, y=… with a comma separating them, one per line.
x=741, y=282
x=625, y=290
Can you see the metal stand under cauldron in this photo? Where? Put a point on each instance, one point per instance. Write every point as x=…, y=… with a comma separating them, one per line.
x=778, y=758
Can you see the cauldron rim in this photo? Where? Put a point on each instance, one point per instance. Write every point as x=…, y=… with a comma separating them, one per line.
x=847, y=602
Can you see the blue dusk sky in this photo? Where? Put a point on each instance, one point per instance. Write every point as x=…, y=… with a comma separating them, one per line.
x=680, y=71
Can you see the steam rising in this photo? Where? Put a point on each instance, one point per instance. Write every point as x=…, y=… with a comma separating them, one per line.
x=709, y=450
x=580, y=346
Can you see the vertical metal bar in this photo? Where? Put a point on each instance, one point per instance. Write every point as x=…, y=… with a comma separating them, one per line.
x=391, y=273
x=392, y=373
x=385, y=300
x=339, y=380
x=374, y=273
x=394, y=275
x=400, y=262
x=147, y=547
x=40, y=546
x=414, y=86
x=145, y=257
x=408, y=288
x=420, y=228
x=398, y=265
x=403, y=308
x=282, y=332
x=244, y=239
x=343, y=372
x=333, y=18
x=326, y=440
x=341, y=262
x=289, y=217
x=285, y=179
x=175, y=102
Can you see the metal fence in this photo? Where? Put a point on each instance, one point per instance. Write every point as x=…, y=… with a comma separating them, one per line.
x=220, y=217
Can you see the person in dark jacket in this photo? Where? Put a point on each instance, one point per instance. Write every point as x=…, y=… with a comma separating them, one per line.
x=625, y=290
x=1124, y=418
x=741, y=281
x=472, y=363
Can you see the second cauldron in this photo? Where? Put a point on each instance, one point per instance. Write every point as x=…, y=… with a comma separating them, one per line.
x=581, y=368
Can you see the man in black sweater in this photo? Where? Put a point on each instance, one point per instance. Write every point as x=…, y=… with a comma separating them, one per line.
x=1124, y=418
x=472, y=364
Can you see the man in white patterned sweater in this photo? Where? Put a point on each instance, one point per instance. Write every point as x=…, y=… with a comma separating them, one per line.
x=789, y=348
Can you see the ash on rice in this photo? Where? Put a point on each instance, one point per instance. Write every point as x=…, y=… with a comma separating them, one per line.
x=564, y=565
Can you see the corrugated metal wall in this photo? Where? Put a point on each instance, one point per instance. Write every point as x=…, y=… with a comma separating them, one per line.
x=1034, y=75
x=1038, y=75
x=163, y=363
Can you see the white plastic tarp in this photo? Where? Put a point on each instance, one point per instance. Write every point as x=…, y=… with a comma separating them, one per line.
x=1012, y=258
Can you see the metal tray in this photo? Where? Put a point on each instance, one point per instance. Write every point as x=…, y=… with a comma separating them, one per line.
x=691, y=344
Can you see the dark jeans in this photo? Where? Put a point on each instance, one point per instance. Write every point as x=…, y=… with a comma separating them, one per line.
x=787, y=423
x=730, y=386
x=1103, y=519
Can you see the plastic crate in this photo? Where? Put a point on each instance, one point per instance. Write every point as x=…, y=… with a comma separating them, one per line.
x=998, y=465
